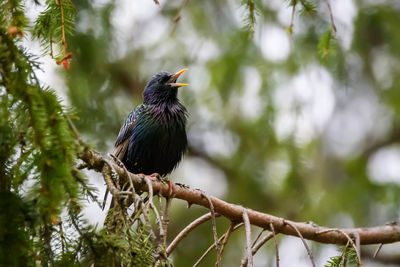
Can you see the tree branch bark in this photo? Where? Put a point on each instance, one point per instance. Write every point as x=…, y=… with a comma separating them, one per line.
x=367, y=235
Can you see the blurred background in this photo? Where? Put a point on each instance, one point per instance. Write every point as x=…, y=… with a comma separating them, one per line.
x=273, y=125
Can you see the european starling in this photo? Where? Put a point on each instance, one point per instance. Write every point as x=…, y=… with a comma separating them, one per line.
x=153, y=137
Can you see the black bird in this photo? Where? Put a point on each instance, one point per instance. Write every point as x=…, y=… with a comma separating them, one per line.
x=153, y=138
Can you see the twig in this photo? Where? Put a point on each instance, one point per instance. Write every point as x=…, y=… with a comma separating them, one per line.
x=331, y=15
x=165, y=220
x=213, y=246
x=246, y=222
x=275, y=243
x=256, y=248
x=343, y=256
x=107, y=178
x=290, y=29
x=258, y=237
x=262, y=242
x=226, y=237
x=348, y=238
x=63, y=41
x=150, y=202
x=357, y=242
x=377, y=250
x=214, y=223
x=74, y=129
x=178, y=16
x=304, y=242
x=187, y=230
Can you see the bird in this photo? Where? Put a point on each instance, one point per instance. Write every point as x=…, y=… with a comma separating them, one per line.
x=152, y=141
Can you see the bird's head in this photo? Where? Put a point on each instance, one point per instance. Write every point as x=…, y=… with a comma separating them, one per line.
x=162, y=88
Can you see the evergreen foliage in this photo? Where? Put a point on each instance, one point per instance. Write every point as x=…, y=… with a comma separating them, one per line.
x=38, y=180
x=347, y=257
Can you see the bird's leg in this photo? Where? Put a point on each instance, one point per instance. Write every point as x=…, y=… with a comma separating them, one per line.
x=171, y=187
x=154, y=176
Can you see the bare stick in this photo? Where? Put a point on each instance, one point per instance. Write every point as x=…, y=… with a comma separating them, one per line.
x=290, y=29
x=214, y=223
x=304, y=242
x=331, y=15
x=377, y=250
x=258, y=237
x=151, y=204
x=165, y=220
x=187, y=230
x=63, y=41
x=246, y=222
x=275, y=243
x=343, y=256
x=213, y=246
x=348, y=238
x=256, y=248
x=357, y=247
x=221, y=250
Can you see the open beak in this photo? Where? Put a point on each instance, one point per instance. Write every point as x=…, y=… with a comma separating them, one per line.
x=174, y=77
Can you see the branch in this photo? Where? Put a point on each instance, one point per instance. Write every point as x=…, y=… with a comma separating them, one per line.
x=187, y=230
x=246, y=221
x=367, y=235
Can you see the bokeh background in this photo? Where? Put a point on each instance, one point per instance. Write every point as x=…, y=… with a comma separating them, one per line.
x=273, y=125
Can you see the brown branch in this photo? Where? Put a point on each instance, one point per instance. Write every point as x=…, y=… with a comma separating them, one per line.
x=331, y=16
x=226, y=237
x=304, y=242
x=377, y=250
x=248, y=238
x=214, y=223
x=356, y=247
x=213, y=246
x=256, y=248
x=371, y=235
x=63, y=40
x=275, y=243
x=187, y=230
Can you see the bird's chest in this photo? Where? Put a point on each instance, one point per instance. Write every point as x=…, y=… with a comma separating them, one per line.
x=161, y=131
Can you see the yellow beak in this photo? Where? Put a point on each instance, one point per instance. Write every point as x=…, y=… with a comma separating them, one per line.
x=175, y=77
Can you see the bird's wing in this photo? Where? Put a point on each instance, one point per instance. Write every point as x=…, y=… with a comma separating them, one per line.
x=122, y=143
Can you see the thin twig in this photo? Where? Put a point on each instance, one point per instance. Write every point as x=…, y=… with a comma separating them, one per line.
x=343, y=256
x=107, y=178
x=331, y=15
x=302, y=239
x=258, y=237
x=262, y=242
x=256, y=248
x=213, y=246
x=221, y=250
x=357, y=247
x=74, y=129
x=151, y=204
x=377, y=250
x=292, y=19
x=214, y=223
x=165, y=220
x=63, y=40
x=178, y=16
x=187, y=230
x=247, y=227
x=348, y=238
x=275, y=243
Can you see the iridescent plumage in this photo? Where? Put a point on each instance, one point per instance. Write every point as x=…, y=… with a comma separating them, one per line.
x=153, y=137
